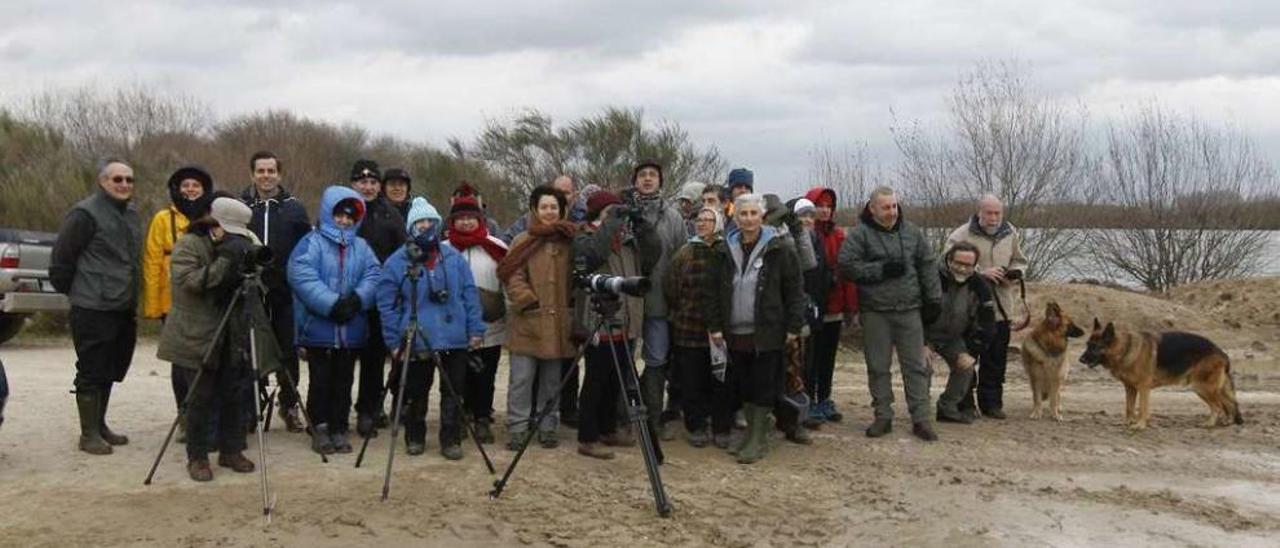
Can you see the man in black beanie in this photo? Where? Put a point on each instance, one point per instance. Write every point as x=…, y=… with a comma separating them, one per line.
x=383, y=228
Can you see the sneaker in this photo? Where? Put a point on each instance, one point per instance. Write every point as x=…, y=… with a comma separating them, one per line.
x=830, y=412
x=699, y=438
x=548, y=439
x=365, y=426
x=452, y=451
x=416, y=448
x=340, y=442
x=997, y=414
x=484, y=434
x=923, y=431
x=879, y=428
x=618, y=439
x=723, y=441
x=595, y=451
x=199, y=470
x=320, y=440
x=516, y=440
x=815, y=417
x=235, y=461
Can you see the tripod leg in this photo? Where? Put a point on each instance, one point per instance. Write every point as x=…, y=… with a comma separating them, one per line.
x=395, y=422
x=270, y=407
x=262, y=440
x=537, y=419
x=306, y=416
x=186, y=402
x=651, y=451
x=364, y=445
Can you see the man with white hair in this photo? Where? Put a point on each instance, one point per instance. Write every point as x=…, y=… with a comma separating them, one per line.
x=1001, y=263
x=899, y=293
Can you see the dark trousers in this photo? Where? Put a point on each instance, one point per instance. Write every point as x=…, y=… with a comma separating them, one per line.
x=601, y=390
x=417, y=393
x=217, y=393
x=373, y=359
x=823, y=346
x=329, y=394
x=990, y=373
x=280, y=307
x=569, y=394
x=479, y=393
x=703, y=398
x=104, y=344
x=759, y=376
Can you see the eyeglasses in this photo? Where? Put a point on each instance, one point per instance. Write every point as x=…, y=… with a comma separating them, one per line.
x=122, y=179
x=962, y=266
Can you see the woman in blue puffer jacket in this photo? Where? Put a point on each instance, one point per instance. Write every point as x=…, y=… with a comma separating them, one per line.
x=334, y=275
x=449, y=320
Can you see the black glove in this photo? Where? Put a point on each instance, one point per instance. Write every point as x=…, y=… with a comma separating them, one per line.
x=346, y=308
x=794, y=226
x=929, y=312
x=893, y=269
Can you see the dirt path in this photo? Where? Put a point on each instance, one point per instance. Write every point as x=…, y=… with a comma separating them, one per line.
x=1085, y=481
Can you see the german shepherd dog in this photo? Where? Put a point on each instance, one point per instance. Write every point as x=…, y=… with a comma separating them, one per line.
x=1044, y=355
x=1145, y=360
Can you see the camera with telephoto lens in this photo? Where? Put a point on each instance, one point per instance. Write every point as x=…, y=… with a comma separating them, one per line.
x=257, y=257
x=635, y=286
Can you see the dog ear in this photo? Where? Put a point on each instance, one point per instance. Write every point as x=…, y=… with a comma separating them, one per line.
x=1110, y=332
x=1051, y=310
x=1074, y=330
x=1096, y=325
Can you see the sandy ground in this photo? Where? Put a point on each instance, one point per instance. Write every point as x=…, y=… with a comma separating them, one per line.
x=1085, y=481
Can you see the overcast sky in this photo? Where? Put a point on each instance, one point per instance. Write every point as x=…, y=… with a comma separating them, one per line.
x=763, y=81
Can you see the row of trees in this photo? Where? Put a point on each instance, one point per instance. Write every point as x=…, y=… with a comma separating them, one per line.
x=1187, y=200
x=50, y=145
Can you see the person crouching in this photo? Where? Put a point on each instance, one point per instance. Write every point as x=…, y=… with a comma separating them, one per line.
x=333, y=273
x=205, y=272
x=450, y=324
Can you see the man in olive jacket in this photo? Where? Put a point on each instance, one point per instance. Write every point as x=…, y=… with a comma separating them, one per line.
x=899, y=292
x=96, y=262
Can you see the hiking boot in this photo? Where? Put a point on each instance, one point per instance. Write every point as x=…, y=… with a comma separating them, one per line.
x=814, y=418
x=699, y=438
x=997, y=414
x=484, y=434
x=944, y=415
x=924, y=431
x=798, y=436
x=452, y=451
x=292, y=419
x=415, y=447
x=595, y=451
x=199, y=470
x=365, y=426
x=516, y=440
x=548, y=439
x=618, y=439
x=722, y=440
x=756, y=444
x=829, y=411
x=320, y=441
x=107, y=435
x=879, y=427
x=340, y=442
x=90, y=409
x=970, y=414
x=235, y=461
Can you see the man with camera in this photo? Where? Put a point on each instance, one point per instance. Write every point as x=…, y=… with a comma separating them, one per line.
x=1001, y=262
x=615, y=241
x=207, y=267
x=645, y=195
x=96, y=262
x=279, y=221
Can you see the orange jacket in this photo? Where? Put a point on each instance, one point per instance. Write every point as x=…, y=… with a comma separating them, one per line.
x=166, y=227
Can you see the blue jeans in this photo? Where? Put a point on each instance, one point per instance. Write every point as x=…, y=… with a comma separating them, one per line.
x=657, y=342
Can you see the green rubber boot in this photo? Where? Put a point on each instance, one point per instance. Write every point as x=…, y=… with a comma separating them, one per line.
x=89, y=404
x=757, y=434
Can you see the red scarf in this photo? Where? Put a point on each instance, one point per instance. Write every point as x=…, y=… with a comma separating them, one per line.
x=463, y=240
x=539, y=233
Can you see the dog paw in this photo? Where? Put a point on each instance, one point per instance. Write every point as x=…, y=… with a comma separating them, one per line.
x=1057, y=417
x=1035, y=415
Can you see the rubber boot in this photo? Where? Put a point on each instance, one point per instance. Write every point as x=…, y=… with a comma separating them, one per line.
x=757, y=434
x=88, y=403
x=110, y=437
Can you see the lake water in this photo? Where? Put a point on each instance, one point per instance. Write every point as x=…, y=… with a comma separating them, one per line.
x=1082, y=265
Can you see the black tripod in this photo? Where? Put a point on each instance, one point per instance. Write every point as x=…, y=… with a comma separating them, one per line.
x=607, y=306
x=248, y=294
x=412, y=334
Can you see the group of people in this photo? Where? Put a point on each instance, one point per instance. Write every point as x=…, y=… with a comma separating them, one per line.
x=738, y=327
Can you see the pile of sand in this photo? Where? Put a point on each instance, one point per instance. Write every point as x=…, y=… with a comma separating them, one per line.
x=1248, y=303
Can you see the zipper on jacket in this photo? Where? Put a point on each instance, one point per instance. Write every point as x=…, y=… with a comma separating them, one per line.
x=339, y=340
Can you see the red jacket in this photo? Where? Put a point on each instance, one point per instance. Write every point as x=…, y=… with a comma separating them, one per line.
x=843, y=297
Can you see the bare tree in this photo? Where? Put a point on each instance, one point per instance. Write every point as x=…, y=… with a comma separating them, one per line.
x=1013, y=140
x=1183, y=182
x=850, y=171
x=100, y=123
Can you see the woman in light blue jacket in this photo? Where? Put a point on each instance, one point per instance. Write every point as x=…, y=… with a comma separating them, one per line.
x=333, y=274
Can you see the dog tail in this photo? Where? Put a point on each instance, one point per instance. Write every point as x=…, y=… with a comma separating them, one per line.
x=1230, y=392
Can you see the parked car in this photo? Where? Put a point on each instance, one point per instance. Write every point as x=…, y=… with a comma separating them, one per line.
x=24, y=279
